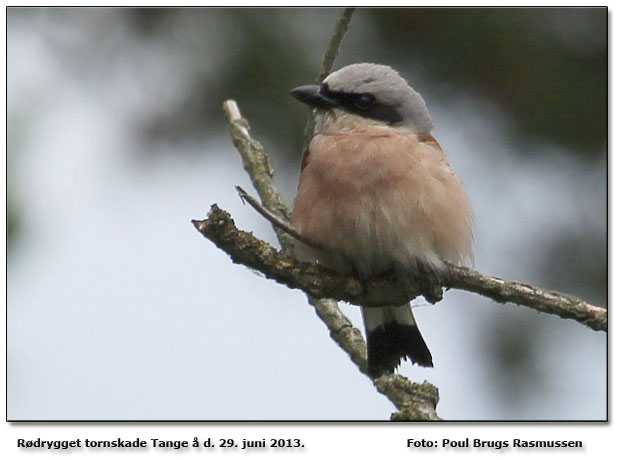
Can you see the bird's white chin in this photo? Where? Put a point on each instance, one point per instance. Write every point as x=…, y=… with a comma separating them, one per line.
x=337, y=121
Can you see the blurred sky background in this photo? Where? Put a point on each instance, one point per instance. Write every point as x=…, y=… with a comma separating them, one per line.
x=119, y=310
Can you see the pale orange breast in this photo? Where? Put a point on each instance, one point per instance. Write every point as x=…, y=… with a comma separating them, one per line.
x=383, y=201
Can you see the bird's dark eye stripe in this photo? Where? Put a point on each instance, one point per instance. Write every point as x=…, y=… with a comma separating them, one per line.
x=363, y=104
x=353, y=102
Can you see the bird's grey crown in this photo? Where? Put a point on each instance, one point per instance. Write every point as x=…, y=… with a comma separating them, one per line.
x=390, y=90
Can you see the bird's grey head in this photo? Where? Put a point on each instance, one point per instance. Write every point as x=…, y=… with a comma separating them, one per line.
x=372, y=91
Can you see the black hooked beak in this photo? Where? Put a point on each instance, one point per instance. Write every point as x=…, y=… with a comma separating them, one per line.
x=312, y=95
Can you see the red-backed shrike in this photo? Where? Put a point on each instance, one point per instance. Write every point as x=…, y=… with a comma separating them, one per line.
x=377, y=191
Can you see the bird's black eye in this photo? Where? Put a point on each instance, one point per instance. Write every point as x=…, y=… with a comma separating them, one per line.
x=364, y=101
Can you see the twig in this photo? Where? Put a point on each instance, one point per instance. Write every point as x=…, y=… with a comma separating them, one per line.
x=331, y=51
x=335, y=43
x=276, y=221
x=543, y=300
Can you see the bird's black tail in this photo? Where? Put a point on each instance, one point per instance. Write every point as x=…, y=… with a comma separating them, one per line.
x=392, y=334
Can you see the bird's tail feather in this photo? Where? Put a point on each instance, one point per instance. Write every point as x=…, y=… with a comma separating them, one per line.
x=392, y=334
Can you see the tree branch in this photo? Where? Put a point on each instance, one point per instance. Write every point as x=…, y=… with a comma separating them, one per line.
x=326, y=66
x=543, y=300
x=318, y=282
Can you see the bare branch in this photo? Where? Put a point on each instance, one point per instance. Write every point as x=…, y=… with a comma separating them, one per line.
x=276, y=221
x=257, y=164
x=335, y=43
x=543, y=300
x=331, y=51
x=318, y=282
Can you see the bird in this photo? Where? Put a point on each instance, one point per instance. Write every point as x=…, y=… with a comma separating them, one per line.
x=377, y=197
